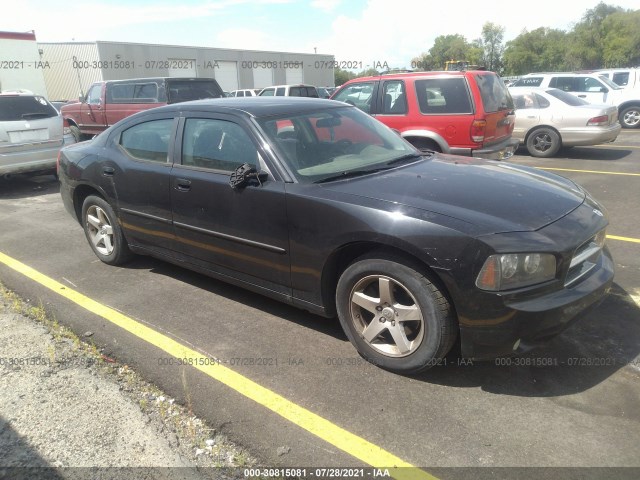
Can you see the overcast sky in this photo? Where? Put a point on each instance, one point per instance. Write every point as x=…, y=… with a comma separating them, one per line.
x=392, y=31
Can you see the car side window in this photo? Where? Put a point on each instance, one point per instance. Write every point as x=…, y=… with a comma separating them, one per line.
x=217, y=145
x=443, y=96
x=621, y=78
x=148, y=140
x=566, y=84
x=280, y=92
x=394, y=98
x=357, y=94
x=93, y=97
x=267, y=92
x=588, y=84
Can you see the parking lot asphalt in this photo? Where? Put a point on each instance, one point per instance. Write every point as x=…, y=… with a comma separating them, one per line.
x=572, y=402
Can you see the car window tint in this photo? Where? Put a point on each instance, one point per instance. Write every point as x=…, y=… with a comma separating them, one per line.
x=358, y=94
x=394, y=98
x=216, y=144
x=621, y=78
x=25, y=107
x=268, y=92
x=567, y=97
x=280, y=92
x=566, y=84
x=295, y=92
x=494, y=93
x=443, y=95
x=148, y=140
x=132, y=93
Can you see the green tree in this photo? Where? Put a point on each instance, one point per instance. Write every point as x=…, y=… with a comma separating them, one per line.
x=491, y=46
x=586, y=41
x=542, y=49
x=448, y=47
x=341, y=76
x=621, y=39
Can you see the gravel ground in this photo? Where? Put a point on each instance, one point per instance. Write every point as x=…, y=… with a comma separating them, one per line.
x=78, y=414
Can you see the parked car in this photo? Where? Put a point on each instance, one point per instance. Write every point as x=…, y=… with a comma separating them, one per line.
x=548, y=119
x=31, y=134
x=409, y=249
x=246, y=92
x=594, y=89
x=290, y=91
x=322, y=92
x=624, y=77
x=108, y=102
x=460, y=112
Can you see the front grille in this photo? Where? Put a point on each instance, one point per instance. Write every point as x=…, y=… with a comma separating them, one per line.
x=585, y=258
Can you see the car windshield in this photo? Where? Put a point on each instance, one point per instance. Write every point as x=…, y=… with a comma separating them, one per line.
x=610, y=84
x=336, y=142
x=25, y=107
x=567, y=97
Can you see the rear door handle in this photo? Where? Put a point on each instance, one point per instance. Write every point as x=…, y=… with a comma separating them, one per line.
x=183, y=185
x=108, y=171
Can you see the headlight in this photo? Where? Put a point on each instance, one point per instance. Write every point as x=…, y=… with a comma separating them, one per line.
x=515, y=270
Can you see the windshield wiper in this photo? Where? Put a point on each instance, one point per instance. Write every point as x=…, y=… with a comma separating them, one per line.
x=408, y=156
x=350, y=174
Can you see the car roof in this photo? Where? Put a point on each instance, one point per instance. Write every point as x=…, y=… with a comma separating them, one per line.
x=290, y=85
x=256, y=106
x=387, y=76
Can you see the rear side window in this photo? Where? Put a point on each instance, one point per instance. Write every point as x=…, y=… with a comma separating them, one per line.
x=494, y=93
x=443, y=96
x=25, y=108
x=186, y=90
x=566, y=84
x=528, y=82
x=621, y=78
x=149, y=140
x=132, y=93
x=568, y=98
x=280, y=92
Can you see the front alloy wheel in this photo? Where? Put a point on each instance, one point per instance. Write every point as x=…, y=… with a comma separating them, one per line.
x=394, y=314
x=387, y=316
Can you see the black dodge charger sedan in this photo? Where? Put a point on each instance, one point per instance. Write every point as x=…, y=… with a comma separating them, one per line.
x=319, y=205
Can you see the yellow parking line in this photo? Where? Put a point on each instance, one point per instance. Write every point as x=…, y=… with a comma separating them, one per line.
x=346, y=441
x=624, y=239
x=590, y=171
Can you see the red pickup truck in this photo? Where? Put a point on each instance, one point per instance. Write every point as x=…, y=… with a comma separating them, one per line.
x=110, y=101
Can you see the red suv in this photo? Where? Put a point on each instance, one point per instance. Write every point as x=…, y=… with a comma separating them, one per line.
x=465, y=113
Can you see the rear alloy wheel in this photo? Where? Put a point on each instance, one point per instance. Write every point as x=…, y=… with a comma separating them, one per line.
x=543, y=143
x=103, y=231
x=630, y=117
x=394, y=316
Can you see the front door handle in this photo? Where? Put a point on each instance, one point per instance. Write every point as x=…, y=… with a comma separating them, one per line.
x=108, y=171
x=183, y=185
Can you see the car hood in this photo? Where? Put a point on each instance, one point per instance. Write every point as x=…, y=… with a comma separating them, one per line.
x=494, y=196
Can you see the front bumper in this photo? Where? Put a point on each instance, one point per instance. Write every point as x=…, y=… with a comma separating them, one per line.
x=524, y=322
x=498, y=151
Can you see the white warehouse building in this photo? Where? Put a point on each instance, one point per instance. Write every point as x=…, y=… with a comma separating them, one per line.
x=74, y=66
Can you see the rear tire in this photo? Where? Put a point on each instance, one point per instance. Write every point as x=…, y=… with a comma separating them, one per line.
x=394, y=315
x=543, y=143
x=103, y=231
x=630, y=117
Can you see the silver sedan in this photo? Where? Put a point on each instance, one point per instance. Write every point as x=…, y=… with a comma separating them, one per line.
x=548, y=119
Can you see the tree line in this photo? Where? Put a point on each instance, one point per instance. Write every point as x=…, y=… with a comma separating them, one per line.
x=607, y=36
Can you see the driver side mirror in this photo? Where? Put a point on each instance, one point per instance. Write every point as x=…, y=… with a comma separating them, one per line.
x=81, y=98
x=242, y=175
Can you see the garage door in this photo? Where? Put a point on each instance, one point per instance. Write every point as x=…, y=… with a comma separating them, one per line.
x=262, y=77
x=294, y=75
x=227, y=75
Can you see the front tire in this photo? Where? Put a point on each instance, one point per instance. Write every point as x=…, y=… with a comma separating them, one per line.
x=394, y=315
x=103, y=231
x=543, y=143
x=630, y=117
